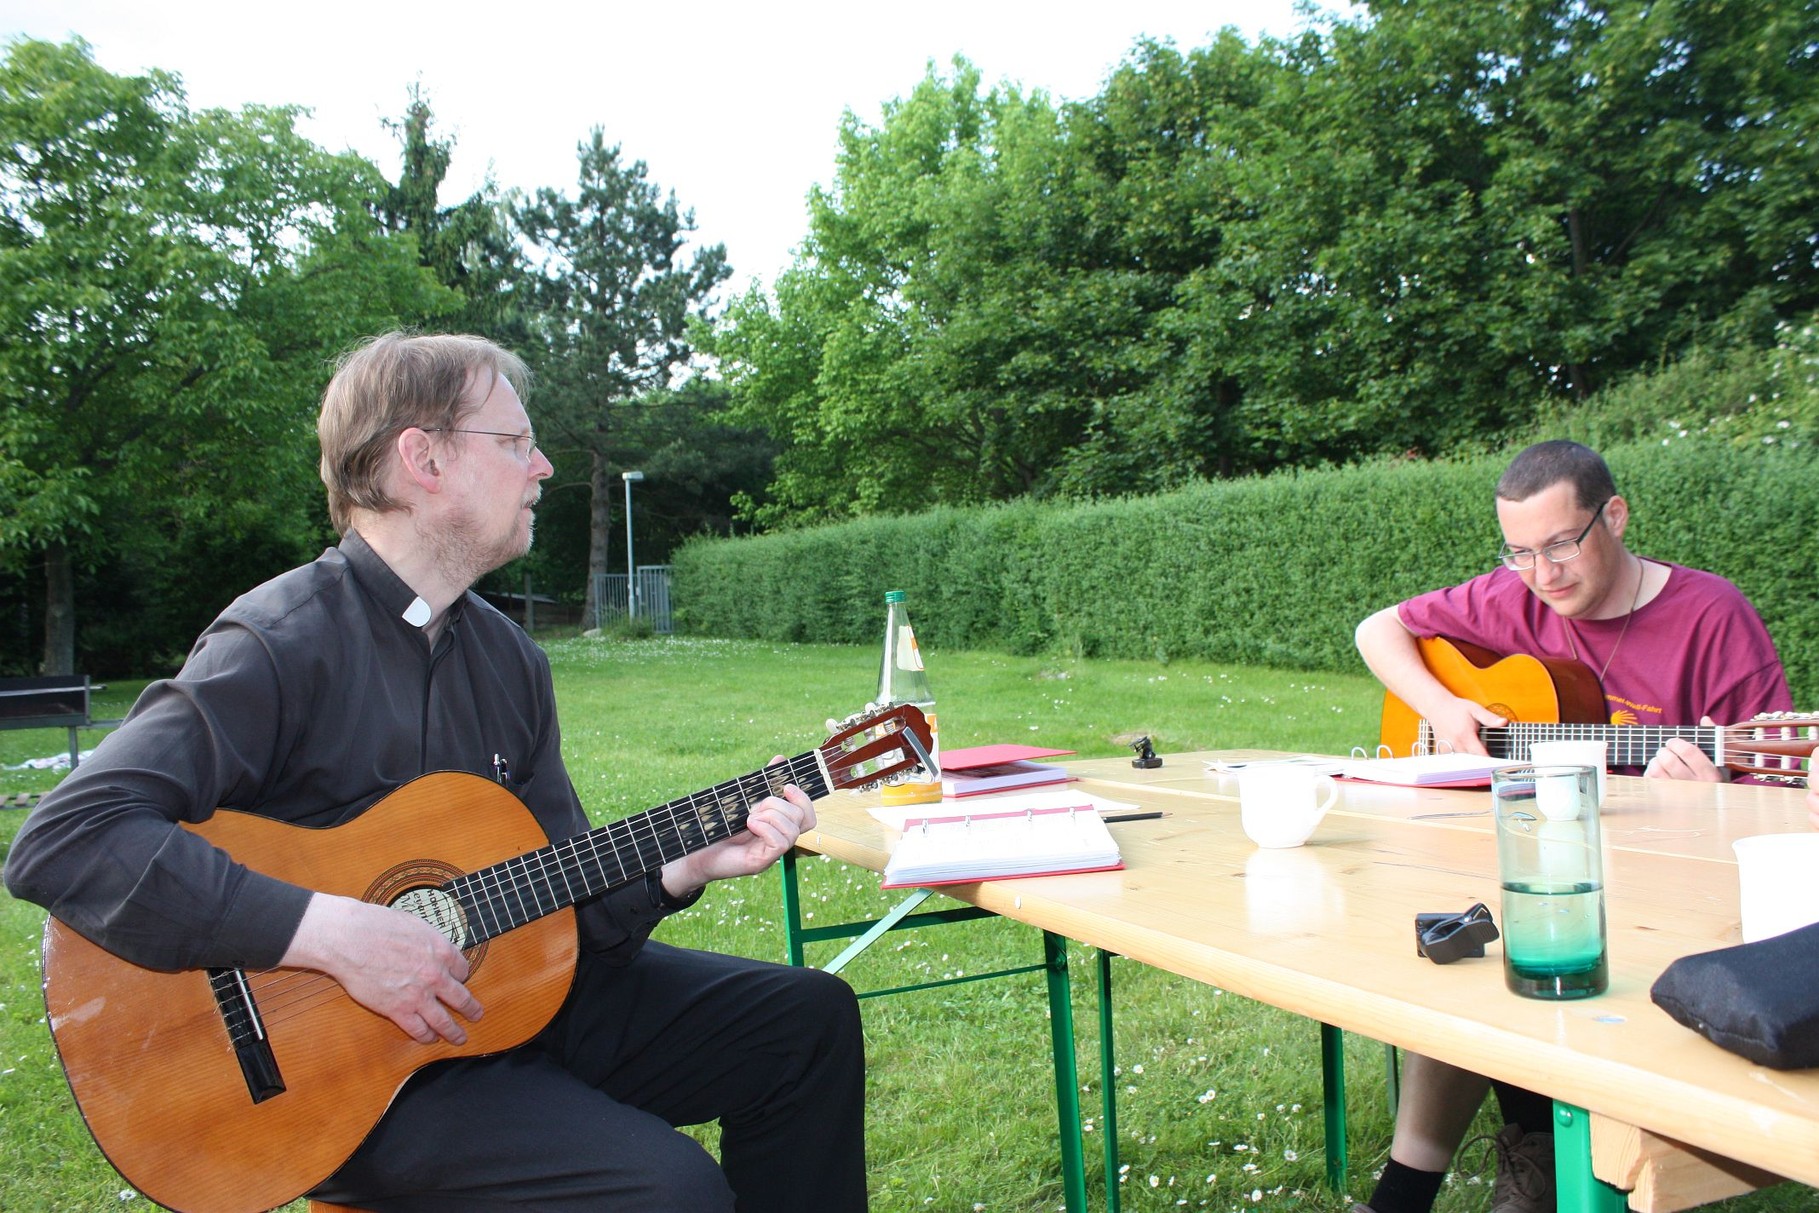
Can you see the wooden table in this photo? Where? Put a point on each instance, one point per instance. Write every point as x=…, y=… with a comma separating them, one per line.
x=1326, y=931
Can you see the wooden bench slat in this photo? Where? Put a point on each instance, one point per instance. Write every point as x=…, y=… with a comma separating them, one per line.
x=1665, y=1176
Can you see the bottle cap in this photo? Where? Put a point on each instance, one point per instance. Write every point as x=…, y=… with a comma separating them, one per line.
x=893, y=595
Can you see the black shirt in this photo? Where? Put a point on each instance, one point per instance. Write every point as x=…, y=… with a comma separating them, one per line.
x=309, y=698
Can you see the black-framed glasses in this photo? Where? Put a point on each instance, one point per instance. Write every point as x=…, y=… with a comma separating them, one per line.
x=1520, y=559
x=523, y=445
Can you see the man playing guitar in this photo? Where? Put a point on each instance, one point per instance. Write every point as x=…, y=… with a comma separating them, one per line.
x=1669, y=646
x=374, y=666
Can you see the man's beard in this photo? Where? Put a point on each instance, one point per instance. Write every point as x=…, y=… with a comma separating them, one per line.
x=471, y=556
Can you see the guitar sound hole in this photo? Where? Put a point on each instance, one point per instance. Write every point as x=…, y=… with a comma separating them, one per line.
x=439, y=910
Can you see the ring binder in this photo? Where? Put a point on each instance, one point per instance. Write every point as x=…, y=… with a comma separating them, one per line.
x=1031, y=841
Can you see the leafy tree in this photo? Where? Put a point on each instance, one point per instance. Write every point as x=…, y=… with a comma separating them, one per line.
x=943, y=336
x=469, y=246
x=1400, y=233
x=171, y=285
x=1176, y=147
x=612, y=304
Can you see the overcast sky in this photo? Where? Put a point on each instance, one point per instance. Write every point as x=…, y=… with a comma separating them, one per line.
x=735, y=107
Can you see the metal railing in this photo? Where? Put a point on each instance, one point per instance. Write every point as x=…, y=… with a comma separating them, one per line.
x=652, y=597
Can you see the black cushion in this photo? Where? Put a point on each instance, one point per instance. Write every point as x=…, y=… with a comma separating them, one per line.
x=1759, y=1000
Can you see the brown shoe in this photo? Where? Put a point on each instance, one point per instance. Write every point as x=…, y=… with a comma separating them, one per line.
x=1525, y=1172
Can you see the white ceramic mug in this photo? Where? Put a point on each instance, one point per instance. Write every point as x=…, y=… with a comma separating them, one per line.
x=1775, y=885
x=1573, y=753
x=1281, y=805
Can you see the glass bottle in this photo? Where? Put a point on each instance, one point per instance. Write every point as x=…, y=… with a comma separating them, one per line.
x=902, y=679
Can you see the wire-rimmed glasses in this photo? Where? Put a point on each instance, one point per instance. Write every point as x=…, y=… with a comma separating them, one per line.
x=523, y=445
x=1522, y=559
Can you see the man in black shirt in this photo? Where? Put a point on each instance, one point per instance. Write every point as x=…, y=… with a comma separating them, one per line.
x=319, y=692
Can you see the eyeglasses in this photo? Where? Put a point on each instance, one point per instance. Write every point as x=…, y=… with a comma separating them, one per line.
x=523, y=445
x=1520, y=559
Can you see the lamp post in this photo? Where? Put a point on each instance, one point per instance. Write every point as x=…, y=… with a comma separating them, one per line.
x=631, y=570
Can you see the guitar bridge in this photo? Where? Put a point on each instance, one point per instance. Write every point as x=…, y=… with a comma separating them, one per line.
x=246, y=1031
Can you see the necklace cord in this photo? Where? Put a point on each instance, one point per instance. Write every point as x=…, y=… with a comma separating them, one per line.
x=1641, y=573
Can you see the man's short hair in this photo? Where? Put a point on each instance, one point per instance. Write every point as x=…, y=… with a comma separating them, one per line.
x=389, y=383
x=1546, y=464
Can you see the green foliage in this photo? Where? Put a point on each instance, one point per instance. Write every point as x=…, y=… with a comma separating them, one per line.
x=1269, y=571
x=1748, y=396
x=1393, y=235
x=468, y=246
x=612, y=305
x=174, y=284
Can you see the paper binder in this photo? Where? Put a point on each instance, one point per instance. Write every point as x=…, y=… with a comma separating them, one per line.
x=965, y=847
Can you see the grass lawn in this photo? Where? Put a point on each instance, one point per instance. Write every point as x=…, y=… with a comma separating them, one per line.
x=1219, y=1098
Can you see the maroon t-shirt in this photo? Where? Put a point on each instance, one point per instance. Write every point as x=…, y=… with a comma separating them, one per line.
x=1697, y=649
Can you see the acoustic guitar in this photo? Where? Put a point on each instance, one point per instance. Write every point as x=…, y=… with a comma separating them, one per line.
x=230, y=1091
x=1548, y=699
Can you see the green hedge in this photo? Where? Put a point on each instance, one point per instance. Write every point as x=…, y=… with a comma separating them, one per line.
x=1273, y=571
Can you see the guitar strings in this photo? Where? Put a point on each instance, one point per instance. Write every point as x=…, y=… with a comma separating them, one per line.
x=531, y=886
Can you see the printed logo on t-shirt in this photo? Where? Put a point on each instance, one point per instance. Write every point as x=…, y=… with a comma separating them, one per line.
x=1628, y=712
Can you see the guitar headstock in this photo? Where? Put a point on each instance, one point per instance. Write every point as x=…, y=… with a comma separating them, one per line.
x=870, y=748
x=1770, y=744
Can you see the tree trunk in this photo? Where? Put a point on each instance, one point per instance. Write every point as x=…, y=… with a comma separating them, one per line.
x=1577, y=374
x=600, y=517
x=59, y=611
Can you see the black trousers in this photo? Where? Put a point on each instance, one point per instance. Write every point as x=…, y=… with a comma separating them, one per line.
x=583, y=1117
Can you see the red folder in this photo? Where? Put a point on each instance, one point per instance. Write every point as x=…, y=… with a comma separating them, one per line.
x=994, y=756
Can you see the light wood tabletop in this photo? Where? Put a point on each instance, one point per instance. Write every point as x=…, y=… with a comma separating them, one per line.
x=1326, y=930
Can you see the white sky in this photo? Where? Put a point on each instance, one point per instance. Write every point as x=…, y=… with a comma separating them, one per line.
x=735, y=107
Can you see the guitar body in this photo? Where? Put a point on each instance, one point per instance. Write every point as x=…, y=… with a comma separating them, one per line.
x=148, y=1056
x=1518, y=688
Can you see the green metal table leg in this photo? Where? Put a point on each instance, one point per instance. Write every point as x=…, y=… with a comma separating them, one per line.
x=1108, y=1084
x=792, y=909
x=1332, y=1082
x=1579, y=1190
x=1067, y=1076
x=888, y=923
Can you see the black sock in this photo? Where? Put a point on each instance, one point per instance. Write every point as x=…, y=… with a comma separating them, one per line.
x=1405, y=1190
x=1533, y=1112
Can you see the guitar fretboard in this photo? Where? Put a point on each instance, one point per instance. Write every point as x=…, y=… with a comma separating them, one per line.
x=527, y=887
x=1626, y=745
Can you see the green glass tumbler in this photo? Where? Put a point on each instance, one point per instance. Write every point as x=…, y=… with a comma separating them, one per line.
x=1549, y=864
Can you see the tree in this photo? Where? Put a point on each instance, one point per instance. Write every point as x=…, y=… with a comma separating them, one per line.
x=612, y=305
x=699, y=468
x=171, y=287
x=946, y=330
x=469, y=246
x=1401, y=233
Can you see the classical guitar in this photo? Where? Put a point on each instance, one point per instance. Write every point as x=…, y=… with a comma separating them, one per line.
x=230, y=1090
x=1547, y=699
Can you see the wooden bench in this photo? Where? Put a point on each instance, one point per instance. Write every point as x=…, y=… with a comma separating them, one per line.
x=49, y=702
x=1665, y=1176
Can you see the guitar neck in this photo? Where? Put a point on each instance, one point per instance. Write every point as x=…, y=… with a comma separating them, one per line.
x=1626, y=745
x=527, y=887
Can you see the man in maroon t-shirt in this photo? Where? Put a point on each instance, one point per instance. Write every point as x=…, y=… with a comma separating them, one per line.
x=1670, y=646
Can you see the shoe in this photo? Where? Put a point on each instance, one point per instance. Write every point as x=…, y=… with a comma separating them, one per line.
x=1362, y=1208
x=1525, y=1172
